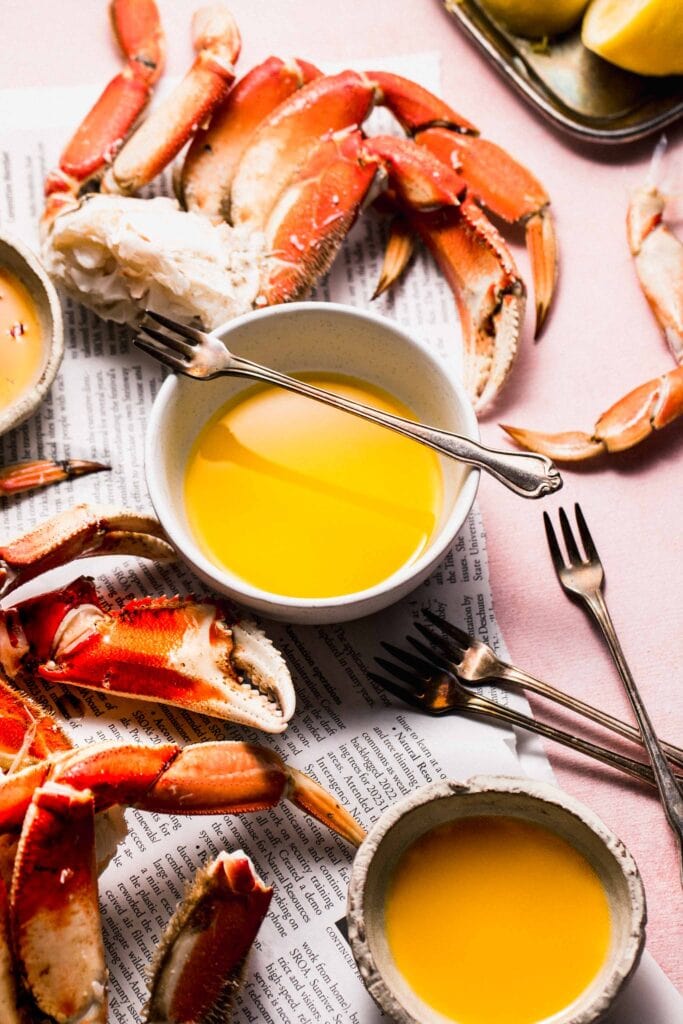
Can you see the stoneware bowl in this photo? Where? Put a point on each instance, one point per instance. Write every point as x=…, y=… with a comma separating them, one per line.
x=17, y=258
x=293, y=338
x=537, y=802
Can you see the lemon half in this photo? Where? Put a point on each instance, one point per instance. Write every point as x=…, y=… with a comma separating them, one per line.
x=536, y=18
x=645, y=36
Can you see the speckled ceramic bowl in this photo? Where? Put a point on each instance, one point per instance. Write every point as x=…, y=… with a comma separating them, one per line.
x=536, y=802
x=331, y=338
x=18, y=258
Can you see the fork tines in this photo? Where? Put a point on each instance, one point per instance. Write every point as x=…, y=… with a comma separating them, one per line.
x=174, y=346
x=575, y=556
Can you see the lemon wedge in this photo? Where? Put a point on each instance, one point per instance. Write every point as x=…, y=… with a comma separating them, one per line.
x=645, y=36
x=536, y=18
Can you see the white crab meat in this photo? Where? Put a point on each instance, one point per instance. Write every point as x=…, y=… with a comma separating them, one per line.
x=120, y=255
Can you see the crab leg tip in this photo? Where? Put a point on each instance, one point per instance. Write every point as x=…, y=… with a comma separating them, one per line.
x=571, y=446
x=307, y=794
x=541, y=243
x=26, y=476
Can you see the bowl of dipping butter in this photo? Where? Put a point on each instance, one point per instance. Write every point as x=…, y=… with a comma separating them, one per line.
x=296, y=509
x=498, y=899
x=31, y=333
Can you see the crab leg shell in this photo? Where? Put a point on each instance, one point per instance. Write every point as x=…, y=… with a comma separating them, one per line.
x=508, y=189
x=108, y=123
x=54, y=913
x=658, y=256
x=397, y=253
x=313, y=216
x=647, y=408
x=9, y=1010
x=164, y=133
x=79, y=532
x=204, y=778
x=200, y=960
x=215, y=151
x=25, y=476
x=172, y=650
x=488, y=292
x=27, y=732
x=285, y=141
x=414, y=107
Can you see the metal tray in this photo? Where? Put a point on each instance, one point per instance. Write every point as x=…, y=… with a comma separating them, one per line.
x=572, y=87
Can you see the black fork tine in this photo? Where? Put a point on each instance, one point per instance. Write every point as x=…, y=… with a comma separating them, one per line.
x=152, y=348
x=449, y=647
x=183, y=348
x=406, y=677
x=403, y=694
x=555, y=552
x=441, y=663
x=425, y=668
x=587, y=540
x=190, y=334
x=575, y=556
x=458, y=634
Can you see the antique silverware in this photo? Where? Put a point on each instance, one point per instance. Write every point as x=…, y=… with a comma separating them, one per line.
x=426, y=683
x=190, y=351
x=584, y=578
x=474, y=663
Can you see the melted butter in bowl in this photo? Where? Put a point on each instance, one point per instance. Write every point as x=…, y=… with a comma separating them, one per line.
x=498, y=891
x=323, y=503
x=21, y=339
x=494, y=901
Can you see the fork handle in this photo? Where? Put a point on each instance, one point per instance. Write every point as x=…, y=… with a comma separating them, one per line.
x=627, y=765
x=528, y=474
x=669, y=789
x=543, y=689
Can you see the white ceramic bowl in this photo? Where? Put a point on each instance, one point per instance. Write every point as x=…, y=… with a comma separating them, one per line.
x=320, y=337
x=21, y=261
x=537, y=802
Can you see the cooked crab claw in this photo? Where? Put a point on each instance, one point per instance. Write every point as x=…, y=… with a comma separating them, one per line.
x=629, y=421
x=202, y=954
x=193, y=654
x=25, y=476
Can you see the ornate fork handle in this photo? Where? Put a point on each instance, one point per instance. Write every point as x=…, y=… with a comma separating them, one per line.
x=636, y=769
x=529, y=475
x=629, y=732
x=668, y=785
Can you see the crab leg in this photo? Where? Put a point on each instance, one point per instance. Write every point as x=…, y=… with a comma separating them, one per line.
x=9, y=1011
x=658, y=256
x=162, y=136
x=509, y=190
x=175, y=651
x=105, y=127
x=54, y=917
x=79, y=532
x=201, y=957
x=204, y=778
x=488, y=291
x=25, y=476
x=215, y=152
x=27, y=732
x=629, y=421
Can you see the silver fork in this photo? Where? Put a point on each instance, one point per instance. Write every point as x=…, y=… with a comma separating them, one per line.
x=475, y=663
x=427, y=684
x=584, y=578
x=203, y=356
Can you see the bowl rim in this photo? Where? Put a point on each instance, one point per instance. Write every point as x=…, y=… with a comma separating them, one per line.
x=281, y=603
x=27, y=402
x=628, y=956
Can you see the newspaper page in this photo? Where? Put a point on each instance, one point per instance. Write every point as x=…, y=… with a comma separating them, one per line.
x=363, y=746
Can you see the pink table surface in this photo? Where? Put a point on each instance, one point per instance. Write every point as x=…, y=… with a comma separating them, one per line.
x=601, y=341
